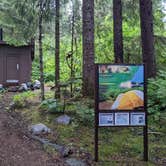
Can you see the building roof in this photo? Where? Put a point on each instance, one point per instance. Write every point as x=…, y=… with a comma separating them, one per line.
x=12, y=45
x=3, y=43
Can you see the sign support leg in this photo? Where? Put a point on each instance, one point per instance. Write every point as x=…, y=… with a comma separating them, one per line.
x=145, y=143
x=96, y=143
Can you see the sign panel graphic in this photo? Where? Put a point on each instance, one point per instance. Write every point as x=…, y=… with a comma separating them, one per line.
x=121, y=99
x=137, y=119
x=121, y=87
x=121, y=119
x=106, y=119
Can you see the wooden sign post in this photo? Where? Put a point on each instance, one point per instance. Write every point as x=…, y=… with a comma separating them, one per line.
x=129, y=107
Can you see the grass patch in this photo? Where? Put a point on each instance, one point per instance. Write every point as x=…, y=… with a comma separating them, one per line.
x=117, y=146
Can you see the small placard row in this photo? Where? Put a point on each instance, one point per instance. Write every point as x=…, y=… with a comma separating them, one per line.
x=122, y=119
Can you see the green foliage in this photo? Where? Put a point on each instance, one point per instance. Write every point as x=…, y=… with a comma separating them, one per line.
x=49, y=60
x=104, y=39
x=85, y=112
x=157, y=95
x=21, y=100
x=19, y=19
x=2, y=91
x=20, y=23
x=51, y=106
x=85, y=115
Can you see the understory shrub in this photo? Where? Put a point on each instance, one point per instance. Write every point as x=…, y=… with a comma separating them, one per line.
x=157, y=95
x=52, y=106
x=22, y=99
x=85, y=112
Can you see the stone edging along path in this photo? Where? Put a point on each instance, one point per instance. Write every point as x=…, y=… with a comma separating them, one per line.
x=19, y=147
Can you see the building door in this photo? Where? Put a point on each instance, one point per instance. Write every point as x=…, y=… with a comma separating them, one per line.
x=12, y=69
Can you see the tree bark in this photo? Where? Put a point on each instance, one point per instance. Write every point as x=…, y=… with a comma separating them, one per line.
x=72, y=49
x=57, y=46
x=118, y=36
x=41, y=51
x=88, y=47
x=147, y=37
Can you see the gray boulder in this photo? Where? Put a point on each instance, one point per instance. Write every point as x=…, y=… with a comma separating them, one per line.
x=63, y=119
x=39, y=129
x=12, y=106
x=75, y=162
x=66, y=151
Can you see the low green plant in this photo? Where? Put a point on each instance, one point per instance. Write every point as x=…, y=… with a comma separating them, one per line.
x=21, y=100
x=85, y=115
x=2, y=91
x=49, y=76
x=1, y=96
x=50, y=84
x=157, y=95
x=51, y=106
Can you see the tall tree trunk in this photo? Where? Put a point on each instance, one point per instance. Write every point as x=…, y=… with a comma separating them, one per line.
x=88, y=47
x=72, y=48
x=41, y=50
x=147, y=37
x=57, y=45
x=118, y=37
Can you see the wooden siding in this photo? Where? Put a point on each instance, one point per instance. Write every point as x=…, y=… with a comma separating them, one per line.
x=24, y=62
x=1, y=67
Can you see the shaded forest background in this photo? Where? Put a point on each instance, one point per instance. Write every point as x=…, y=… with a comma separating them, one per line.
x=20, y=22
x=61, y=39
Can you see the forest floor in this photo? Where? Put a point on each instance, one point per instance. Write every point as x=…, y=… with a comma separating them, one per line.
x=117, y=146
x=16, y=147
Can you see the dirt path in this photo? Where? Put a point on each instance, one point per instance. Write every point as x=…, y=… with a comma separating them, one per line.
x=16, y=148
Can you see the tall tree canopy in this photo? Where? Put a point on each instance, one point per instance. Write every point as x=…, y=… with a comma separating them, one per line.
x=19, y=19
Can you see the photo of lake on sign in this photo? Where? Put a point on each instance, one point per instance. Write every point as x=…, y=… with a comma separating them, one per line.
x=121, y=87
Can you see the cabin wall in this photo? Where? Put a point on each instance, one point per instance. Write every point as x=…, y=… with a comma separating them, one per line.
x=24, y=62
x=9, y=53
x=1, y=67
x=25, y=65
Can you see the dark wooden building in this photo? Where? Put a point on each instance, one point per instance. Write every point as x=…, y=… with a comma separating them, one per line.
x=15, y=63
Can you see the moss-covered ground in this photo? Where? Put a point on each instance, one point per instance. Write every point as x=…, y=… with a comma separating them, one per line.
x=117, y=146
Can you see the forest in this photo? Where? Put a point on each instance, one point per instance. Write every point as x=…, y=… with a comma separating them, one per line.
x=55, y=46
